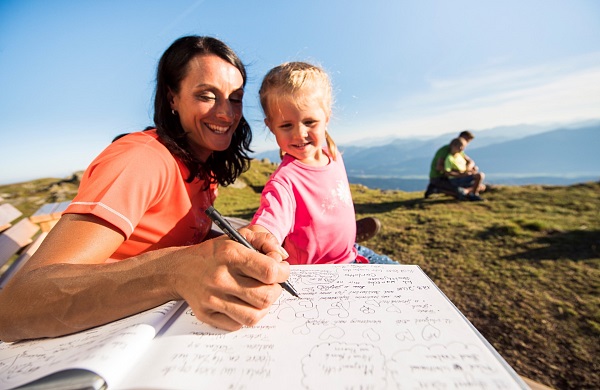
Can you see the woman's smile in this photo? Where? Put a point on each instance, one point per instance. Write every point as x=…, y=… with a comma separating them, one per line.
x=209, y=104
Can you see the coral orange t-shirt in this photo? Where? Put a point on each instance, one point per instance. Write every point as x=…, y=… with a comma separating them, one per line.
x=139, y=187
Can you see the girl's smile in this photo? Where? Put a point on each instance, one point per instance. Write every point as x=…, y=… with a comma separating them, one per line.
x=299, y=124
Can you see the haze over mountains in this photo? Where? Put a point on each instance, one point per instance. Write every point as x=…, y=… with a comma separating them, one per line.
x=508, y=155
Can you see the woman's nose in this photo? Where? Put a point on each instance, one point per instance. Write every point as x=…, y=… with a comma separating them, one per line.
x=225, y=110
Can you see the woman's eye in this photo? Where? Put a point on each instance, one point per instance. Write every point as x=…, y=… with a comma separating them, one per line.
x=237, y=96
x=207, y=97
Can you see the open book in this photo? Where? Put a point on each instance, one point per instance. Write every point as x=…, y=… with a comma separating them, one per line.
x=353, y=327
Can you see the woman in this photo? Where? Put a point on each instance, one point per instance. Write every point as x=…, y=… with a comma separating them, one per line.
x=132, y=239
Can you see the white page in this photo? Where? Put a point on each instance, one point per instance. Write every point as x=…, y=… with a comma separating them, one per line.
x=355, y=327
x=108, y=350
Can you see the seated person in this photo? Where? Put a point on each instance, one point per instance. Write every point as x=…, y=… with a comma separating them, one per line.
x=462, y=172
x=438, y=181
x=307, y=203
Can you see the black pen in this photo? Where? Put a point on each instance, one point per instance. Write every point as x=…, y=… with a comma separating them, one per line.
x=221, y=222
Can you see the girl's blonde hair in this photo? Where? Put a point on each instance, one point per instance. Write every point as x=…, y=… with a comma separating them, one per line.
x=289, y=79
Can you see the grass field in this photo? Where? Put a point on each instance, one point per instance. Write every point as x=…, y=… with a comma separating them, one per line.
x=523, y=267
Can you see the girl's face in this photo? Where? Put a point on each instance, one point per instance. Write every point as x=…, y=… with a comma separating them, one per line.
x=299, y=127
x=209, y=104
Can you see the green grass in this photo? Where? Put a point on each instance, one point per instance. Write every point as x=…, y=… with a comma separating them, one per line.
x=30, y=196
x=523, y=267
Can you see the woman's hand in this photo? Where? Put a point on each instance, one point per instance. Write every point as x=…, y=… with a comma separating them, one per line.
x=67, y=286
x=228, y=285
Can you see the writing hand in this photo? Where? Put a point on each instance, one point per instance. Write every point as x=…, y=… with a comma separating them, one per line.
x=228, y=285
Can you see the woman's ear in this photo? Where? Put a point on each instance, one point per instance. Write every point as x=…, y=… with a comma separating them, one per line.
x=171, y=98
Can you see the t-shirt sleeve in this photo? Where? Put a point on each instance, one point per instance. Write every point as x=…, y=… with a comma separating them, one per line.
x=122, y=183
x=448, y=163
x=277, y=210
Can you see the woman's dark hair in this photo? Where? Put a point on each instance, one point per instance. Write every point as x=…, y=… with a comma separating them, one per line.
x=221, y=167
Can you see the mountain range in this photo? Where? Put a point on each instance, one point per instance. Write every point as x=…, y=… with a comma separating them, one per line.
x=513, y=155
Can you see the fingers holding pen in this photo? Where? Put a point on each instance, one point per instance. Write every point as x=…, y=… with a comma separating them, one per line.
x=264, y=242
x=267, y=268
x=228, y=285
x=245, y=304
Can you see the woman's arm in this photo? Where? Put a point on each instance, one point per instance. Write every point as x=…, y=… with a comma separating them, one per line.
x=66, y=286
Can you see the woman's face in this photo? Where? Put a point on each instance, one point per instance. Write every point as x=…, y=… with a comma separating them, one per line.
x=209, y=104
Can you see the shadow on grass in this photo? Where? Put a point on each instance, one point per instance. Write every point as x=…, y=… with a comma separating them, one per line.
x=257, y=189
x=246, y=214
x=363, y=208
x=375, y=208
x=574, y=245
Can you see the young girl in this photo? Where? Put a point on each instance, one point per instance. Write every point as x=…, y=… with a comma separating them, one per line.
x=307, y=202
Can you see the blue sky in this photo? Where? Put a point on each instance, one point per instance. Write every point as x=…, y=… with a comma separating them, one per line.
x=76, y=73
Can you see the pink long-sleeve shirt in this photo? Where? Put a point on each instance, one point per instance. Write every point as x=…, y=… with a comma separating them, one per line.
x=310, y=210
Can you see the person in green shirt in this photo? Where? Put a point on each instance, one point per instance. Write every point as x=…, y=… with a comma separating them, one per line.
x=438, y=179
x=462, y=172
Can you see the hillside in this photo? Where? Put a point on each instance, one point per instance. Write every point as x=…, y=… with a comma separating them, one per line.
x=524, y=267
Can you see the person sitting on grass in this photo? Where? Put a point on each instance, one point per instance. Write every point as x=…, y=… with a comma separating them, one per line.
x=462, y=173
x=438, y=181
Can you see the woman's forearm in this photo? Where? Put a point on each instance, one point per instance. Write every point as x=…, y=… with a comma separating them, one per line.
x=58, y=299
